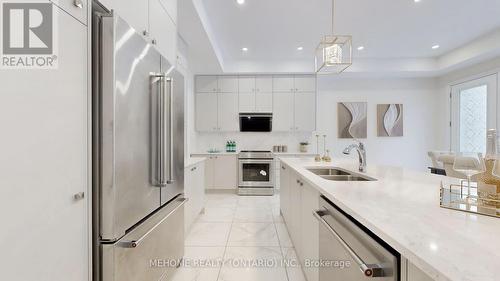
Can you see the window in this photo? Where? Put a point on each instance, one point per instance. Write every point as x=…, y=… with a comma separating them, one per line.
x=474, y=110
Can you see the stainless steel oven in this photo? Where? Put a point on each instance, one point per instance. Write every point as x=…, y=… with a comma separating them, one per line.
x=256, y=174
x=359, y=254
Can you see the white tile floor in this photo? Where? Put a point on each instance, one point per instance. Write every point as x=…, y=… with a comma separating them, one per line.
x=234, y=236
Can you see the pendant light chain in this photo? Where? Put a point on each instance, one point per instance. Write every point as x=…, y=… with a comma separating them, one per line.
x=333, y=16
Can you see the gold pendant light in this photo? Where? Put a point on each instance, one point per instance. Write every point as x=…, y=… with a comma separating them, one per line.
x=334, y=52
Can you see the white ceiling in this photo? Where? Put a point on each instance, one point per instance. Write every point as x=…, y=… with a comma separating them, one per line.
x=388, y=29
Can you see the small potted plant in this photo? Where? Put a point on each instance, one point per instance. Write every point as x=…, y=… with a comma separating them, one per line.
x=303, y=146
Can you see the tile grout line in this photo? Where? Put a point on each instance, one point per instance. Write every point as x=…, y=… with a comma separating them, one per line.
x=227, y=241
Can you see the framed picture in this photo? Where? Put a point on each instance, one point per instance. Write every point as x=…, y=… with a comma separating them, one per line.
x=390, y=120
x=352, y=120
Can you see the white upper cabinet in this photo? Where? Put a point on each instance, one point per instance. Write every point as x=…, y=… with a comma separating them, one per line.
x=283, y=84
x=305, y=111
x=228, y=115
x=134, y=13
x=206, y=84
x=247, y=102
x=163, y=31
x=264, y=102
x=171, y=8
x=264, y=84
x=283, y=116
x=305, y=83
x=246, y=84
x=228, y=84
x=206, y=112
x=72, y=8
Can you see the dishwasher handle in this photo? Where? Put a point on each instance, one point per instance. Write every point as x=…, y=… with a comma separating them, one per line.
x=369, y=270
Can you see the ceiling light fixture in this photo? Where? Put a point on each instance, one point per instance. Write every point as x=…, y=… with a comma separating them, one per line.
x=435, y=47
x=361, y=48
x=300, y=48
x=416, y=1
x=244, y=49
x=241, y=2
x=334, y=52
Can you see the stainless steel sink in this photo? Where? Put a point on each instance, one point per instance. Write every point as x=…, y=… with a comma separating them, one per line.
x=345, y=178
x=337, y=174
x=328, y=172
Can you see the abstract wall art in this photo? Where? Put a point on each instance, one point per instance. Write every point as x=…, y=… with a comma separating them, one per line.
x=390, y=120
x=352, y=120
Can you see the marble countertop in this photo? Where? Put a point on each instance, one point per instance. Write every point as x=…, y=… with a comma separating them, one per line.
x=402, y=208
x=191, y=161
x=236, y=153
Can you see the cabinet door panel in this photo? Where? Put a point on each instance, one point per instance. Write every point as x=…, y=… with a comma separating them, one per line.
x=295, y=213
x=283, y=116
x=44, y=163
x=264, y=84
x=305, y=112
x=305, y=83
x=264, y=102
x=225, y=172
x=206, y=112
x=70, y=7
x=285, y=193
x=246, y=84
x=228, y=114
x=309, y=230
x=206, y=84
x=209, y=172
x=171, y=8
x=228, y=84
x=247, y=102
x=163, y=31
x=134, y=13
x=283, y=84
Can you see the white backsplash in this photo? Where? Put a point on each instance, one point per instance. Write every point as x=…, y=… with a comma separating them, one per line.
x=253, y=141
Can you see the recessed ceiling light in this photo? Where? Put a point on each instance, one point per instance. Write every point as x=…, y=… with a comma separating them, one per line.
x=244, y=49
x=361, y=48
x=416, y=1
x=435, y=47
x=241, y=2
x=300, y=48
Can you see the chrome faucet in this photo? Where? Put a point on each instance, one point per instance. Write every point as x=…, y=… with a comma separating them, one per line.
x=360, y=148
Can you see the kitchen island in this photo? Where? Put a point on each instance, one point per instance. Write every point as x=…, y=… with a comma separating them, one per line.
x=402, y=208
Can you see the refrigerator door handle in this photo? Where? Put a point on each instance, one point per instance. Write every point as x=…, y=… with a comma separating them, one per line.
x=169, y=85
x=133, y=242
x=159, y=131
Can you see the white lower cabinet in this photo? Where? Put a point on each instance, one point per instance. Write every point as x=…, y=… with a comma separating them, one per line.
x=412, y=273
x=298, y=201
x=194, y=190
x=221, y=172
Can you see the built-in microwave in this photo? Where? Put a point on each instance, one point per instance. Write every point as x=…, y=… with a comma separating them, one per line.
x=256, y=122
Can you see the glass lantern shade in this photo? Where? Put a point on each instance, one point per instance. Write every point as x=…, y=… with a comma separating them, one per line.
x=333, y=54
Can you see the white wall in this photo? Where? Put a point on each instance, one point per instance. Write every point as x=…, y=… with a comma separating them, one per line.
x=419, y=111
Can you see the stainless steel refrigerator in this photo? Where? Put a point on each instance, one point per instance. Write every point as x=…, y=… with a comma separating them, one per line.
x=138, y=157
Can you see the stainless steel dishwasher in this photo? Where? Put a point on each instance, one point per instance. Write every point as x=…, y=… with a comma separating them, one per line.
x=350, y=252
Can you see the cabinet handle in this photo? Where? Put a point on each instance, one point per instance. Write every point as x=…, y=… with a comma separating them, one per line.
x=153, y=41
x=298, y=181
x=283, y=167
x=301, y=183
x=145, y=33
x=78, y=4
x=79, y=196
x=192, y=169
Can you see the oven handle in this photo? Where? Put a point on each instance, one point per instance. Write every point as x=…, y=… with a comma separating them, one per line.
x=369, y=270
x=256, y=161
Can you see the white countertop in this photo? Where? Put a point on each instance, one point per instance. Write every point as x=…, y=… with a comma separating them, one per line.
x=191, y=161
x=402, y=208
x=236, y=153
